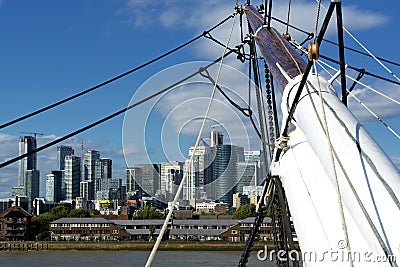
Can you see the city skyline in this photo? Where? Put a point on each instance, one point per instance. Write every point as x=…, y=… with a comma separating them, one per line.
x=76, y=177
x=88, y=51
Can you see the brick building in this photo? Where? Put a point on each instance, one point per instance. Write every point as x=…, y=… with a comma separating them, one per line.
x=15, y=225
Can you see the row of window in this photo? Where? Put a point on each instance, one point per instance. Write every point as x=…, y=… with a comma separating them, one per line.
x=81, y=225
x=81, y=232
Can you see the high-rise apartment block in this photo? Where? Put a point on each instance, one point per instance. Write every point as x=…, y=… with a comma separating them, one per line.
x=72, y=177
x=62, y=152
x=26, y=144
x=54, y=182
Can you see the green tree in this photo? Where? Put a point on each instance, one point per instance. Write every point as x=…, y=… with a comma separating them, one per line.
x=44, y=220
x=245, y=211
x=148, y=212
x=79, y=213
x=59, y=212
x=94, y=212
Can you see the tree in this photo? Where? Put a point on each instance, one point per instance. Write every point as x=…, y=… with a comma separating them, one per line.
x=79, y=213
x=94, y=212
x=148, y=212
x=59, y=212
x=245, y=211
x=44, y=220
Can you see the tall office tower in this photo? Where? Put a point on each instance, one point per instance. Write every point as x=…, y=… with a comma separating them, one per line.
x=54, y=186
x=106, y=168
x=226, y=171
x=115, y=189
x=62, y=152
x=256, y=156
x=133, y=181
x=32, y=178
x=200, y=173
x=26, y=144
x=149, y=178
x=85, y=189
x=171, y=175
x=91, y=164
x=216, y=138
x=103, y=172
x=91, y=167
x=72, y=177
x=246, y=175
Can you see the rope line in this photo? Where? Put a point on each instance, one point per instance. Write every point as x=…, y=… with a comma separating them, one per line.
x=178, y=192
x=366, y=86
x=387, y=187
x=109, y=116
x=114, y=78
x=324, y=125
x=368, y=52
x=365, y=106
x=334, y=43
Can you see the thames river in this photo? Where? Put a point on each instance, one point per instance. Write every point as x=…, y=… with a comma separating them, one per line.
x=125, y=258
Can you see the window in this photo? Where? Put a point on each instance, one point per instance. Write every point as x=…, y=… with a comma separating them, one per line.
x=234, y=232
x=115, y=231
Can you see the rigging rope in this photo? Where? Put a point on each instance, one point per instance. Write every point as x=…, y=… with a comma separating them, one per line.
x=303, y=50
x=178, y=192
x=324, y=126
x=247, y=112
x=369, y=52
x=365, y=106
x=334, y=43
x=387, y=187
x=288, y=17
x=366, y=86
x=114, y=78
x=109, y=116
x=316, y=21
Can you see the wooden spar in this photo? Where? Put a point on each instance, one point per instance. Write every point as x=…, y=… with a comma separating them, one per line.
x=275, y=50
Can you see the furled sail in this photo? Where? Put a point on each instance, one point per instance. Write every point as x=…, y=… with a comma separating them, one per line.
x=343, y=190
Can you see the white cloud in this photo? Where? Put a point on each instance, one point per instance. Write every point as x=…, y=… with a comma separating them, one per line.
x=179, y=106
x=381, y=106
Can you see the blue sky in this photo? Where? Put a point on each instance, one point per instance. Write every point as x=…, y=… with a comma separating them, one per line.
x=53, y=49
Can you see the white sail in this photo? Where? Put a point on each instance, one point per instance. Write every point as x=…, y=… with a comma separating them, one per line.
x=369, y=183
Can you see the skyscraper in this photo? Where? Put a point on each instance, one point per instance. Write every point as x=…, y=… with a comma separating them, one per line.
x=31, y=186
x=72, y=177
x=54, y=182
x=92, y=171
x=105, y=168
x=103, y=172
x=133, y=175
x=26, y=144
x=148, y=178
x=255, y=156
x=62, y=152
x=171, y=174
x=216, y=138
x=91, y=164
x=200, y=173
x=226, y=171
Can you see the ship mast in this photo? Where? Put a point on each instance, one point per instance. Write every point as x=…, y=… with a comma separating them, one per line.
x=344, y=164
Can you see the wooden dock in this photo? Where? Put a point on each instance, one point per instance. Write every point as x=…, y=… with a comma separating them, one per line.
x=23, y=246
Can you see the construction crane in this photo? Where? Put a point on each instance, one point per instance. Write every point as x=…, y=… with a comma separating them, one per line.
x=32, y=133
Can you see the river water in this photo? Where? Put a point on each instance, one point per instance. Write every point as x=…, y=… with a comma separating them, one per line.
x=125, y=258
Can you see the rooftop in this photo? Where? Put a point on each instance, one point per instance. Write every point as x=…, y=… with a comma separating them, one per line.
x=81, y=220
